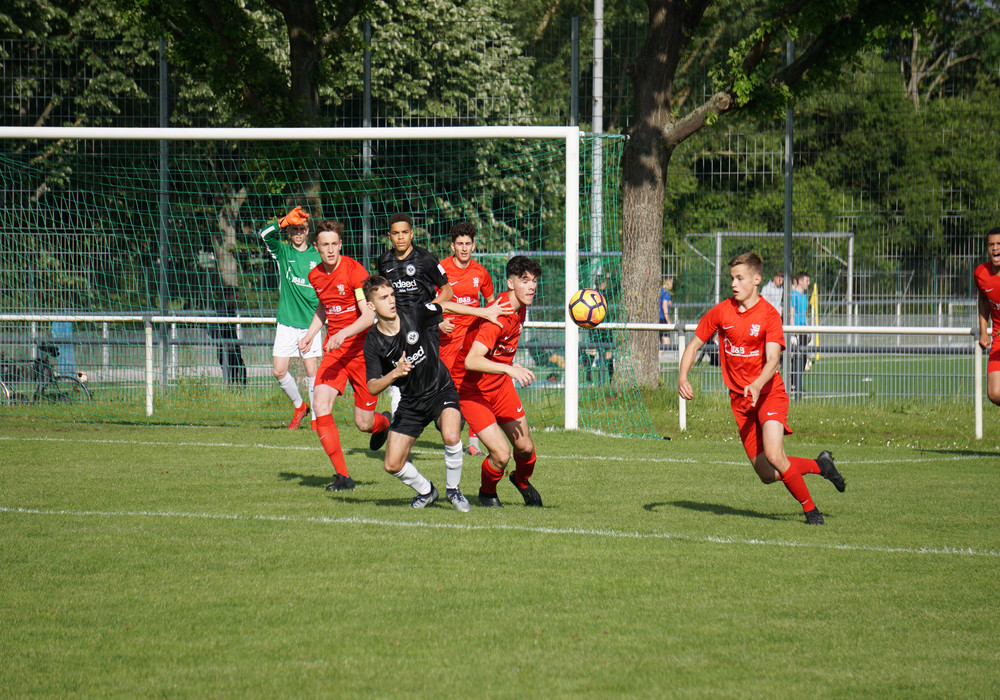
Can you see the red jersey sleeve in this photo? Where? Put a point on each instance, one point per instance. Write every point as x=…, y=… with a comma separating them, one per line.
x=708, y=325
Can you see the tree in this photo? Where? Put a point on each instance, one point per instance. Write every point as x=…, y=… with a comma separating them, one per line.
x=754, y=76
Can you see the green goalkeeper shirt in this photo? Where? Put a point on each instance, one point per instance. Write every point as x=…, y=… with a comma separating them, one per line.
x=296, y=297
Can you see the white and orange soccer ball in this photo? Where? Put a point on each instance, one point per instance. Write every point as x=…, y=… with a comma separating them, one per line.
x=587, y=308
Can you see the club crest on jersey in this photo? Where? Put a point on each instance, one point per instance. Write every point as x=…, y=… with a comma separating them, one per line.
x=411, y=270
x=412, y=337
x=475, y=282
x=755, y=330
x=340, y=289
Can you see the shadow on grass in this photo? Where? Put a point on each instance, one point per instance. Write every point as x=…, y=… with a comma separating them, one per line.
x=714, y=509
x=315, y=480
x=964, y=453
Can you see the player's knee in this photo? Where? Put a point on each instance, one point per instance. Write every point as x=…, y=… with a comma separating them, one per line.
x=994, y=395
x=364, y=423
x=524, y=450
x=393, y=468
x=278, y=373
x=499, y=459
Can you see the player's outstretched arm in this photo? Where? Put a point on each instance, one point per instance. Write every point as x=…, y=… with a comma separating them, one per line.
x=491, y=313
x=684, y=387
x=476, y=361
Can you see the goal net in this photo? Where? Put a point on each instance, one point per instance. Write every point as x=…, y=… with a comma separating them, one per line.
x=135, y=254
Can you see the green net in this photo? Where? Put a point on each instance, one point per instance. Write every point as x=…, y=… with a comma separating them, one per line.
x=133, y=269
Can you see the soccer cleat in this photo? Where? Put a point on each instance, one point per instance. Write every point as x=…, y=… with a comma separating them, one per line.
x=297, y=417
x=829, y=472
x=341, y=483
x=528, y=493
x=489, y=500
x=474, y=451
x=378, y=439
x=814, y=517
x=425, y=499
x=460, y=502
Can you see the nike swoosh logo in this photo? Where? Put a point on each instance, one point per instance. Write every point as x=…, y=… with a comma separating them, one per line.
x=988, y=290
x=772, y=413
x=726, y=328
x=520, y=408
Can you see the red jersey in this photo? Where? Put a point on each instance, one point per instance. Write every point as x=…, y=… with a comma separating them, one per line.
x=336, y=292
x=467, y=284
x=502, y=343
x=989, y=286
x=743, y=337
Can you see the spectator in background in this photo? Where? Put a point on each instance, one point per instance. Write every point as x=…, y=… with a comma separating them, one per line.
x=773, y=291
x=230, y=352
x=66, y=359
x=799, y=301
x=665, y=303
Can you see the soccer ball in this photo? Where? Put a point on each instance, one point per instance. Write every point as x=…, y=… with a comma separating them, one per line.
x=82, y=376
x=587, y=308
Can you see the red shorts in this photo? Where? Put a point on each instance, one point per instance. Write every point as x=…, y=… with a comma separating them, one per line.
x=483, y=410
x=750, y=419
x=337, y=368
x=993, y=364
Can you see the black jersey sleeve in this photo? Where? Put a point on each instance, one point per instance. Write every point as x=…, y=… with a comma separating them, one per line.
x=431, y=315
x=374, y=367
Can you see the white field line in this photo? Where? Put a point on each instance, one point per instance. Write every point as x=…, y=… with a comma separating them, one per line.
x=615, y=534
x=571, y=457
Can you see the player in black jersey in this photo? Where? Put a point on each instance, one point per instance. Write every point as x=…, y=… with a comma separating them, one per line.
x=414, y=272
x=402, y=350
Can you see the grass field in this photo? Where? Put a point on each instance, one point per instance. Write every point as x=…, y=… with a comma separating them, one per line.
x=210, y=562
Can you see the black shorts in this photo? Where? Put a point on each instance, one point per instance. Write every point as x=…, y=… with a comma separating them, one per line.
x=413, y=416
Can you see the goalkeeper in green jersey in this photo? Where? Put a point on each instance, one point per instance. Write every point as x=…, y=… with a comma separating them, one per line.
x=296, y=304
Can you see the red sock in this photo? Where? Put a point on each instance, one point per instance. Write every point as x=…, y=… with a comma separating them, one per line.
x=796, y=486
x=805, y=466
x=524, y=467
x=380, y=423
x=329, y=437
x=490, y=478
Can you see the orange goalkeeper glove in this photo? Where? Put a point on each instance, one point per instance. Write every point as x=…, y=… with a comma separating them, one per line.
x=296, y=217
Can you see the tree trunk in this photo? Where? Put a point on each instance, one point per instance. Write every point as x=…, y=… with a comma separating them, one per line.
x=224, y=240
x=645, y=167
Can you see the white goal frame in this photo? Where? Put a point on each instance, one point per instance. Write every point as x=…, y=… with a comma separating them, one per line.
x=570, y=134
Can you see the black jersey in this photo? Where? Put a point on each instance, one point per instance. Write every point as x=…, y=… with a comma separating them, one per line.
x=418, y=337
x=414, y=279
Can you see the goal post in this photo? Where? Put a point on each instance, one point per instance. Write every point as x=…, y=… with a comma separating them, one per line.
x=228, y=175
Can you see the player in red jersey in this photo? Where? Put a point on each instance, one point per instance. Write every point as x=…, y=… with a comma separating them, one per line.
x=751, y=340
x=469, y=280
x=488, y=399
x=987, y=278
x=338, y=282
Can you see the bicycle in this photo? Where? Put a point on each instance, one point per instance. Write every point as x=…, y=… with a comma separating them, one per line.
x=35, y=380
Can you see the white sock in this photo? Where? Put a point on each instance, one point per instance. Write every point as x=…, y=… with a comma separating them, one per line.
x=311, y=385
x=453, y=465
x=474, y=441
x=394, y=397
x=291, y=389
x=414, y=479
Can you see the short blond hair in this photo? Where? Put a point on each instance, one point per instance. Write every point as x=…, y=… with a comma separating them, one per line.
x=751, y=260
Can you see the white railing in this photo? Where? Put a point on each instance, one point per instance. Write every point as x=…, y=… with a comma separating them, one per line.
x=150, y=321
